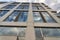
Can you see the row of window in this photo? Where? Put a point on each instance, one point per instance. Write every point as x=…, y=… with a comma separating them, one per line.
x=17, y=16
x=12, y=31
x=22, y=16
x=43, y=17
x=24, y=7
x=46, y=32
x=20, y=31
x=37, y=8
x=19, y=7
x=9, y=7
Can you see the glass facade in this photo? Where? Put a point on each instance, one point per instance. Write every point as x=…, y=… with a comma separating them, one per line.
x=42, y=25
x=51, y=32
x=37, y=17
x=12, y=31
x=38, y=33
x=23, y=16
x=37, y=7
x=3, y=12
x=9, y=7
x=13, y=16
x=48, y=18
x=17, y=16
x=34, y=7
x=23, y=7
x=47, y=32
x=41, y=8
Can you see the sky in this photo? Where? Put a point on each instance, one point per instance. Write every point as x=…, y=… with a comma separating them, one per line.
x=54, y=4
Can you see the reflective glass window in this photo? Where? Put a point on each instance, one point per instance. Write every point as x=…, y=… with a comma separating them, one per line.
x=3, y=12
x=26, y=6
x=38, y=34
x=48, y=18
x=23, y=16
x=34, y=8
x=41, y=8
x=9, y=7
x=17, y=16
x=13, y=31
x=13, y=16
x=23, y=7
x=48, y=32
x=37, y=17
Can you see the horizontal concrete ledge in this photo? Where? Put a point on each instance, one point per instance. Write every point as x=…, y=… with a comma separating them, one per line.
x=47, y=24
x=25, y=24
x=51, y=38
x=16, y=9
x=13, y=23
x=42, y=10
x=8, y=37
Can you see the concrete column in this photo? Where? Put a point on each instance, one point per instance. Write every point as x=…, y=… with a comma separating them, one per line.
x=30, y=34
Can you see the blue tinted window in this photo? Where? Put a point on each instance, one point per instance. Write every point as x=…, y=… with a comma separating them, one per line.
x=37, y=17
x=48, y=18
x=34, y=7
x=23, y=16
x=3, y=12
x=38, y=34
x=26, y=6
x=12, y=31
x=9, y=7
x=23, y=7
x=41, y=8
x=20, y=7
x=51, y=32
x=13, y=16
x=22, y=32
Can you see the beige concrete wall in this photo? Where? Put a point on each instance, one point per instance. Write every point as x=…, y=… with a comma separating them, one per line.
x=7, y=37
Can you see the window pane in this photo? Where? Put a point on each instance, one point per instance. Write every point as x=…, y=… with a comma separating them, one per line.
x=23, y=16
x=8, y=31
x=20, y=7
x=51, y=32
x=34, y=8
x=41, y=8
x=12, y=31
x=23, y=7
x=17, y=16
x=3, y=12
x=13, y=16
x=22, y=32
x=26, y=6
x=37, y=17
x=38, y=33
x=48, y=18
x=9, y=7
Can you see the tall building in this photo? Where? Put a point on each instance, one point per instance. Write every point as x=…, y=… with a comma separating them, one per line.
x=28, y=21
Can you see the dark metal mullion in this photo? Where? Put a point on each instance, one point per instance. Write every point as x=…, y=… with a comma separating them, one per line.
x=42, y=17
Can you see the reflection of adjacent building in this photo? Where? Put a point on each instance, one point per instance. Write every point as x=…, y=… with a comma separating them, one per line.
x=28, y=21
